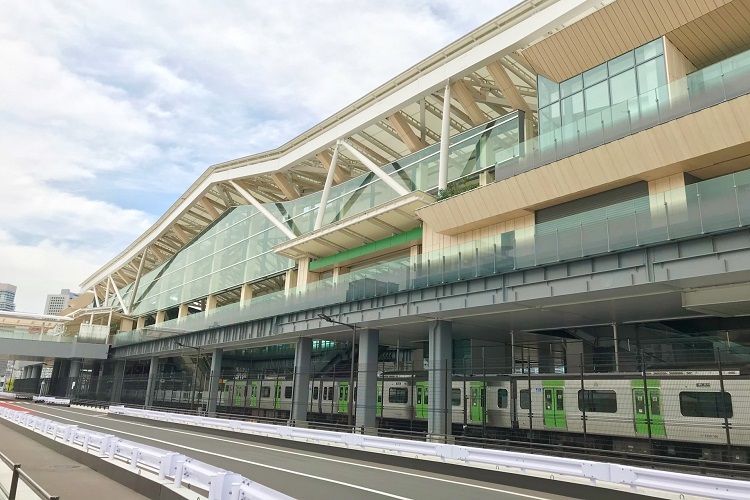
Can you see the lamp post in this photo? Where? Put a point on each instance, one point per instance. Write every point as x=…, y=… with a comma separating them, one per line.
x=350, y=402
x=195, y=372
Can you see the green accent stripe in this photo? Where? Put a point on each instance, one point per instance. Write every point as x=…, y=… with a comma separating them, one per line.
x=553, y=383
x=375, y=246
x=638, y=383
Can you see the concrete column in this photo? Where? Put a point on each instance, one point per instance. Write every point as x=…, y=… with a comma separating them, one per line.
x=126, y=325
x=304, y=276
x=99, y=380
x=290, y=281
x=439, y=378
x=210, y=302
x=573, y=352
x=546, y=357
x=300, y=392
x=367, y=381
x=153, y=372
x=213, y=382
x=246, y=293
x=117, y=380
x=141, y=323
x=182, y=311
x=26, y=372
x=36, y=371
x=75, y=370
x=160, y=316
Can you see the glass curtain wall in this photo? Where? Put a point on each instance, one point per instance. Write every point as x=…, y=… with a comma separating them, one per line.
x=631, y=74
x=238, y=247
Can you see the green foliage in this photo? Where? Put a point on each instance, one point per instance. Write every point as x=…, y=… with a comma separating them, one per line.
x=455, y=188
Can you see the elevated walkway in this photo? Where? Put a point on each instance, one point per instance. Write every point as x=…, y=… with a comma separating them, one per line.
x=21, y=344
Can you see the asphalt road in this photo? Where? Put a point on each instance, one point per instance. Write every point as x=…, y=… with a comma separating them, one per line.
x=300, y=474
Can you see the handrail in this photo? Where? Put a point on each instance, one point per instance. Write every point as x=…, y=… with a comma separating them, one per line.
x=18, y=473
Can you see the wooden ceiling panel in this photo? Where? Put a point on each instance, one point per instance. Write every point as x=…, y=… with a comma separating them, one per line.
x=625, y=25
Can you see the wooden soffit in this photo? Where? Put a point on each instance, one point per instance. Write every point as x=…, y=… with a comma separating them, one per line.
x=617, y=28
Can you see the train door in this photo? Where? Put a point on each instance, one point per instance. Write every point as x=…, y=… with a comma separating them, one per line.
x=476, y=402
x=343, y=397
x=379, y=409
x=641, y=417
x=554, y=405
x=422, y=403
x=254, y=390
x=277, y=395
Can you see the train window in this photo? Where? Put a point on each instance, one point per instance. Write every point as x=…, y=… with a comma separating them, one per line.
x=265, y=392
x=288, y=392
x=325, y=393
x=524, y=397
x=316, y=393
x=398, y=395
x=502, y=398
x=597, y=401
x=456, y=397
x=706, y=404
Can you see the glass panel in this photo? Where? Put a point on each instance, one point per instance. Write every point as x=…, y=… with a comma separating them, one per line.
x=571, y=86
x=597, y=97
x=623, y=87
x=620, y=64
x=717, y=207
x=648, y=51
x=548, y=91
x=595, y=75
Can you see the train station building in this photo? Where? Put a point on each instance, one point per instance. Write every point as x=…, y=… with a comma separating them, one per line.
x=564, y=190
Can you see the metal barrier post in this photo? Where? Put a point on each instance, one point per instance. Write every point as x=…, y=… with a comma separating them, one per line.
x=14, y=482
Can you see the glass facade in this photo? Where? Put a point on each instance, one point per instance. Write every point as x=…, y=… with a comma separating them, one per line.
x=563, y=107
x=237, y=248
x=720, y=204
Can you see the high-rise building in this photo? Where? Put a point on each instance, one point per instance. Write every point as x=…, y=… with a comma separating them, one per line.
x=58, y=301
x=7, y=297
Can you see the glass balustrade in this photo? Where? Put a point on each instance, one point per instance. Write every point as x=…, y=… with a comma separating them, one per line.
x=716, y=205
x=710, y=86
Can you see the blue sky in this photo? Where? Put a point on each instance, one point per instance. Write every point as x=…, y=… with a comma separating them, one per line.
x=110, y=110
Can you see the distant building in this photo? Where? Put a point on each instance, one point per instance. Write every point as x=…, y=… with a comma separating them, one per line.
x=59, y=301
x=7, y=297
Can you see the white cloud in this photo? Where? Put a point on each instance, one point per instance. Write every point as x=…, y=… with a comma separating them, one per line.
x=110, y=111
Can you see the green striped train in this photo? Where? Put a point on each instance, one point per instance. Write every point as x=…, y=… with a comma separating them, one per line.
x=670, y=413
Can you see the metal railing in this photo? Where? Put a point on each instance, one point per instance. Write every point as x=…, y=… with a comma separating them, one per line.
x=11, y=493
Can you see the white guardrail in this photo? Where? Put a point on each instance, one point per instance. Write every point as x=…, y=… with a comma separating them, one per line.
x=163, y=465
x=610, y=475
x=51, y=400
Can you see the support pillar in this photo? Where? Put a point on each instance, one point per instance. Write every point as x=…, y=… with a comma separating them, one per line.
x=160, y=316
x=117, y=381
x=546, y=357
x=246, y=293
x=300, y=391
x=182, y=311
x=210, y=302
x=141, y=324
x=573, y=352
x=213, y=382
x=445, y=132
x=75, y=370
x=26, y=372
x=126, y=325
x=153, y=372
x=367, y=381
x=36, y=371
x=99, y=381
x=439, y=378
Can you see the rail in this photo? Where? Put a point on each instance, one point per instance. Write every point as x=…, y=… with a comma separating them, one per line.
x=11, y=493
